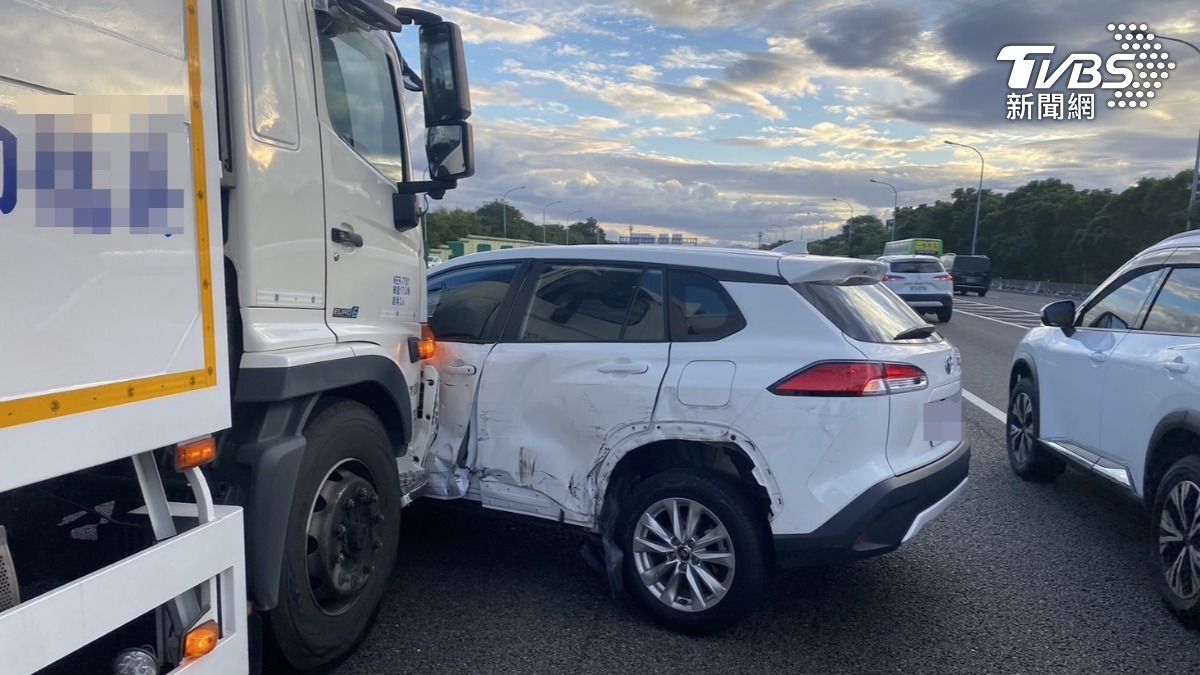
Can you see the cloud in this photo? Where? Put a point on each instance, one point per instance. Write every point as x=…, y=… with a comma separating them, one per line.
x=482, y=29
x=632, y=97
x=688, y=58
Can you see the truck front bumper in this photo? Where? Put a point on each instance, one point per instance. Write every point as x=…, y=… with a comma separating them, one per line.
x=880, y=519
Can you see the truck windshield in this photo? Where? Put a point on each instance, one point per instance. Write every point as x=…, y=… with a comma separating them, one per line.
x=361, y=94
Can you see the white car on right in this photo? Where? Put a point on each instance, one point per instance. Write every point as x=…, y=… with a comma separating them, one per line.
x=1113, y=385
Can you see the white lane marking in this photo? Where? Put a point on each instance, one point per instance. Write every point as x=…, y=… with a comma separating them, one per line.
x=984, y=406
x=988, y=318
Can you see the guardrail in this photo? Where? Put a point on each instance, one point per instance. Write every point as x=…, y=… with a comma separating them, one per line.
x=1055, y=288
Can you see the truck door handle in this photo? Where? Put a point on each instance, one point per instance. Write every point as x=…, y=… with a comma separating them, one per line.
x=1098, y=357
x=622, y=367
x=1176, y=366
x=341, y=236
x=464, y=369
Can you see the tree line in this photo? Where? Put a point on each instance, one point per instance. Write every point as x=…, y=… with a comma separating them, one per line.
x=1045, y=230
x=446, y=225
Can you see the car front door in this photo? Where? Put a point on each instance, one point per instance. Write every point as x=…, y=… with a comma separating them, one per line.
x=466, y=312
x=1071, y=369
x=580, y=366
x=1154, y=373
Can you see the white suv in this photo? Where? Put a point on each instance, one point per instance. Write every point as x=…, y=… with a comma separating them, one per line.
x=705, y=412
x=1111, y=386
x=922, y=282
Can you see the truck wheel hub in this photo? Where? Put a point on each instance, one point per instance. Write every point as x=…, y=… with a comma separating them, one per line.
x=345, y=533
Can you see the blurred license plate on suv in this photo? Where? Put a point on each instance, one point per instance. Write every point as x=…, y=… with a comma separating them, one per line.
x=943, y=419
x=917, y=288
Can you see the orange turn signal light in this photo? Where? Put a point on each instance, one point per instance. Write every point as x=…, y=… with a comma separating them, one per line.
x=428, y=346
x=201, y=640
x=195, y=453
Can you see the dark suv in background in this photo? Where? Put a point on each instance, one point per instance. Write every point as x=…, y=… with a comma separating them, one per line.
x=970, y=272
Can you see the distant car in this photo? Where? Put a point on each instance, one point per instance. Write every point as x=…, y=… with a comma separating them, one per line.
x=971, y=273
x=706, y=413
x=1114, y=386
x=432, y=261
x=922, y=282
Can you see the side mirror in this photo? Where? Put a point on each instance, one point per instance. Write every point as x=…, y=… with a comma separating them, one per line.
x=444, y=74
x=449, y=150
x=1060, y=314
x=406, y=211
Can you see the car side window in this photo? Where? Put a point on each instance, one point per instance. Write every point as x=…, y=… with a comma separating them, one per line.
x=1121, y=308
x=360, y=95
x=700, y=309
x=594, y=303
x=464, y=305
x=1177, y=307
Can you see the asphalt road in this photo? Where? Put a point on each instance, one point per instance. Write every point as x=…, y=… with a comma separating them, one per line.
x=1014, y=578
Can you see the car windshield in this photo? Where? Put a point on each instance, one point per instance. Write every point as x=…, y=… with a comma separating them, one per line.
x=916, y=267
x=864, y=309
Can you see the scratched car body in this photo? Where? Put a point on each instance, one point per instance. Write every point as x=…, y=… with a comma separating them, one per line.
x=707, y=413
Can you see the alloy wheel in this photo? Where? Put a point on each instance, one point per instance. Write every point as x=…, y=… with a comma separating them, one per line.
x=683, y=554
x=1179, y=539
x=1021, y=428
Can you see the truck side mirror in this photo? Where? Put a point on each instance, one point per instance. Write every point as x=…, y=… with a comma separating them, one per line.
x=449, y=150
x=444, y=74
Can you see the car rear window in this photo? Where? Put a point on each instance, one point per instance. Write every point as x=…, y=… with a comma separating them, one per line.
x=864, y=309
x=976, y=264
x=917, y=267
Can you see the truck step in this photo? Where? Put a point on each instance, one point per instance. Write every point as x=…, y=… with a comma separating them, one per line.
x=410, y=482
x=10, y=592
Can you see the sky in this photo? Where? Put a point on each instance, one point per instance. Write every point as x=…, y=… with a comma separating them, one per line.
x=721, y=120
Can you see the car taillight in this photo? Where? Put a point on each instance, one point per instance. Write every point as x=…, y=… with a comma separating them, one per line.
x=943, y=277
x=851, y=378
x=892, y=277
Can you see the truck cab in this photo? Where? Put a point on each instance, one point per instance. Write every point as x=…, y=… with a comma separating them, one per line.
x=285, y=310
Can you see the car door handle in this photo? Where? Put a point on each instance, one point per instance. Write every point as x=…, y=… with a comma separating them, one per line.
x=464, y=369
x=1176, y=366
x=341, y=236
x=621, y=367
x=1098, y=357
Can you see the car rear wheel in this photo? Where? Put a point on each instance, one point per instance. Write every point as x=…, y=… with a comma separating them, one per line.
x=983, y=293
x=1028, y=458
x=1176, y=541
x=943, y=315
x=695, y=553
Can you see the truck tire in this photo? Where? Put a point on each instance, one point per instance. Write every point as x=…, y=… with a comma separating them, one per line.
x=711, y=576
x=342, y=539
x=1028, y=458
x=1172, y=545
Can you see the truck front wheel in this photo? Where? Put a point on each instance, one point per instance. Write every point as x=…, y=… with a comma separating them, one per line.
x=343, y=534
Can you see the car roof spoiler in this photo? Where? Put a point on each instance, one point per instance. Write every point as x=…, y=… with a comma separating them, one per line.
x=802, y=269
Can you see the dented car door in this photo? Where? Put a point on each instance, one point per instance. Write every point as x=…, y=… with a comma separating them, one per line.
x=580, y=364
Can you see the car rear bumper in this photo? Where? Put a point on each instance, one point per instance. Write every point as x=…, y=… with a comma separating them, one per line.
x=885, y=516
x=929, y=300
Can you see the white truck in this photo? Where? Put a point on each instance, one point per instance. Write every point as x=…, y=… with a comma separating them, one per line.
x=212, y=279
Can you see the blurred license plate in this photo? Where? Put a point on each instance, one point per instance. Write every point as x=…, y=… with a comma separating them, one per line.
x=943, y=419
x=918, y=288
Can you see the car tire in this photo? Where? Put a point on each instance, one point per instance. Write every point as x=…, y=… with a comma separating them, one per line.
x=1028, y=458
x=983, y=293
x=943, y=315
x=342, y=540
x=1176, y=498
x=661, y=571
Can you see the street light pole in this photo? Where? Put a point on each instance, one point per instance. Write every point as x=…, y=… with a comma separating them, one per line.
x=849, y=226
x=1196, y=167
x=544, y=218
x=569, y=223
x=978, y=193
x=504, y=208
x=895, y=206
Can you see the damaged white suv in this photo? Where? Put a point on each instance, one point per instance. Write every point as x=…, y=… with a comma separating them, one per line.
x=708, y=413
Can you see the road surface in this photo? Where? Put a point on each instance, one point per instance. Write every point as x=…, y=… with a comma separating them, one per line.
x=1013, y=578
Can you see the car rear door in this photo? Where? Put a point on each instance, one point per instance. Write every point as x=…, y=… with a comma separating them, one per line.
x=1153, y=373
x=467, y=306
x=581, y=362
